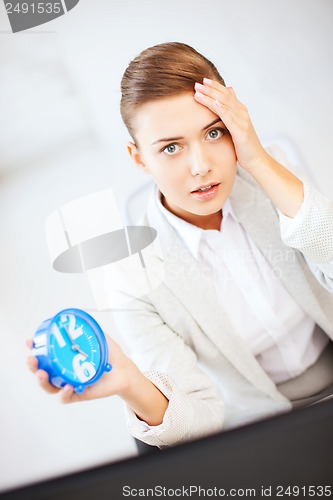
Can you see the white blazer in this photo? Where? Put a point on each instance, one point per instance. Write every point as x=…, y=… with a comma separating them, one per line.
x=181, y=337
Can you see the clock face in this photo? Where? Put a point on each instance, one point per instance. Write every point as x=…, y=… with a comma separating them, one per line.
x=74, y=347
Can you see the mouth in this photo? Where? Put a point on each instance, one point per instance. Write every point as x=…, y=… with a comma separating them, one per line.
x=206, y=191
x=204, y=188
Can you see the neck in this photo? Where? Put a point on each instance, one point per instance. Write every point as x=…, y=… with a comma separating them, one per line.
x=211, y=221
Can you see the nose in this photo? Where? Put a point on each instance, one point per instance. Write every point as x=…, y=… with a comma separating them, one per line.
x=199, y=161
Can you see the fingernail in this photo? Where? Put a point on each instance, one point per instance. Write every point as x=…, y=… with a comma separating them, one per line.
x=199, y=86
x=67, y=388
x=208, y=81
x=199, y=94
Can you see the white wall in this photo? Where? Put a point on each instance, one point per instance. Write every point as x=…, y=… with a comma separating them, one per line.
x=61, y=137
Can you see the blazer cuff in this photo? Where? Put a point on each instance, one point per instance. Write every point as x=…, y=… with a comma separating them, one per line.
x=291, y=224
x=310, y=230
x=177, y=421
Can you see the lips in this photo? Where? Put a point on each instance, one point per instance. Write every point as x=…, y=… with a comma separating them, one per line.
x=204, y=187
x=206, y=192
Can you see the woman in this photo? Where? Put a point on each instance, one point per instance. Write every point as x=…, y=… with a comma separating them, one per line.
x=241, y=325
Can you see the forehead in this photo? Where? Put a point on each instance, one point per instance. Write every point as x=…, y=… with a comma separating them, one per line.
x=171, y=117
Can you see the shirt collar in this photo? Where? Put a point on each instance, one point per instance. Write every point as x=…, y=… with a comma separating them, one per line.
x=191, y=235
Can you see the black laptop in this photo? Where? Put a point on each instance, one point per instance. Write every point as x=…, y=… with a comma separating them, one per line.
x=286, y=456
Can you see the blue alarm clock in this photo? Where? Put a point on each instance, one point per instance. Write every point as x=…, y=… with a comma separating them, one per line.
x=72, y=348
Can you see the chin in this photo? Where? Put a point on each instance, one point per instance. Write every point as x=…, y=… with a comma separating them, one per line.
x=216, y=206
x=206, y=213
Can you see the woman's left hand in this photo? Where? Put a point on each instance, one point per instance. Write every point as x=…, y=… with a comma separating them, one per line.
x=224, y=103
x=283, y=188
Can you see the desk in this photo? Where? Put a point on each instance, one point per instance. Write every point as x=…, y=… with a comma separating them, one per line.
x=292, y=449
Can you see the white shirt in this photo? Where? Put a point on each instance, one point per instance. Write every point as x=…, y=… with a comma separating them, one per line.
x=282, y=337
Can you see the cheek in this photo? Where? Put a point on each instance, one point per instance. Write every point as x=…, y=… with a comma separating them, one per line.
x=230, y=151
x=166, y=170
x=231, y=158
x=170, y=179
x=231, y=173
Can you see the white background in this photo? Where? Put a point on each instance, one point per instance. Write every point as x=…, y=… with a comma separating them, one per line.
x=61, y=137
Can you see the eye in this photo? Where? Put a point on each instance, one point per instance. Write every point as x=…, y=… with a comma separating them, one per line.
x=216, y=133
x=171, y=149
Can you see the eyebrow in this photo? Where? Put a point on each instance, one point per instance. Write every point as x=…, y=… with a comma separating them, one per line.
x=168, y=139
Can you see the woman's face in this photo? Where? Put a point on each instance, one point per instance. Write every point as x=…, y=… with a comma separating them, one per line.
x=190, y=155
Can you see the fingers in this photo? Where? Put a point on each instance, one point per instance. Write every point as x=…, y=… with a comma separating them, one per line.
x=212, y=103
x=219, y=99
x=215, y=102
x=31, y=360
x=43, y=380
x=67, y=394
x=41, y=375
x=215, y=92
x=32, y=364
x=218, y=90
x=29, y=343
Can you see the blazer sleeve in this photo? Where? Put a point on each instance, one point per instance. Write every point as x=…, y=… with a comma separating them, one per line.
x=195, y=407
x=311, y=232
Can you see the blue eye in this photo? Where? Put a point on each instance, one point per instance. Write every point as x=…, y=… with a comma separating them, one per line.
x=171, y=149
x=216, y=133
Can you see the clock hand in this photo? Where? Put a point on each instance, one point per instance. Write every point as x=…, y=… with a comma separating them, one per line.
x=75, y=346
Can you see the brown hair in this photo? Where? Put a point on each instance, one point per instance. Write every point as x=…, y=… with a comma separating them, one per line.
x=163, y=70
